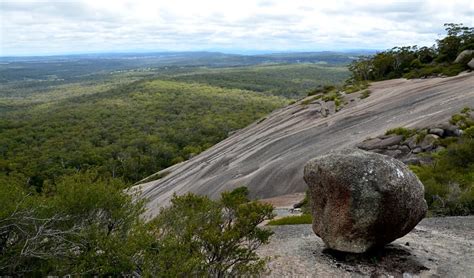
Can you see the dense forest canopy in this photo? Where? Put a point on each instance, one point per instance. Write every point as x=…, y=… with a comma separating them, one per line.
x=128, y=132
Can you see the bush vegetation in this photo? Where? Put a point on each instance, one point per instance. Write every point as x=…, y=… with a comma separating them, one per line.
x=406, y=132
x=414, y=61
x=365, y=94
x=88, y=226
x=449, y=181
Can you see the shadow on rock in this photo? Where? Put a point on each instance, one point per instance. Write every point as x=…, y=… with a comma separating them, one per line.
x=389, y=260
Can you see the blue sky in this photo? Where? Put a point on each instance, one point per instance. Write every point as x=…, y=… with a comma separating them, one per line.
x=59, y=27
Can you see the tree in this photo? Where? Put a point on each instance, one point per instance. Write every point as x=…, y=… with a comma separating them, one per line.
x=201, y=237
x=411, y=61
x=459, y=37
x=82, y=226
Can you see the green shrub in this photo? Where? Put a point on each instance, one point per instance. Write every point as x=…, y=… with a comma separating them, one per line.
x=337, y=102
x=420, y=135
x=84, y=225
x=323, y=90
x=447, y=141
x=449, y=181
x=356, y=87
x=365, y=94
x=469, y=132
x=200, y=237
x=311, y=99
x=430, y=70
x=330, y=97
x=292, y=220
x=88, y=226
x=406, y=132
x=462, y=120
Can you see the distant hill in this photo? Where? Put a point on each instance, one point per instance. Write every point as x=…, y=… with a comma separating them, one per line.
x=78, y=67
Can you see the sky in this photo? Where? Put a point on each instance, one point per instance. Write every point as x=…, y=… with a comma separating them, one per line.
x=94, y=26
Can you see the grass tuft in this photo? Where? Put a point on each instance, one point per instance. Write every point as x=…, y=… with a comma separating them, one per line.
x=292, y=220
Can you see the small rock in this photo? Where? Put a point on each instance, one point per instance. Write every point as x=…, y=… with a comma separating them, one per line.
x=393, y=153
x=417, y=160
x=429, y=142
x=416, y=150
x=380, y=143
x=436, y=131
x=411, y=142
x=362, y=200
x=404, y=149
x=451, y=130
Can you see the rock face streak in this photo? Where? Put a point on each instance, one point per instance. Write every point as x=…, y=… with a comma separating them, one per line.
x=269, y=155
x=361, y=199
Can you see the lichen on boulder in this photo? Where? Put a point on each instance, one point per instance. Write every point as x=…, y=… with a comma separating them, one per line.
x=361, y=200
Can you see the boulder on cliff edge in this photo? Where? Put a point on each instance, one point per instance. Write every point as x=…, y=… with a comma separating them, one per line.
x=361, y=200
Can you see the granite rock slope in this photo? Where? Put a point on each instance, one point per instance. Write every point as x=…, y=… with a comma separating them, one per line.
x=269, y=155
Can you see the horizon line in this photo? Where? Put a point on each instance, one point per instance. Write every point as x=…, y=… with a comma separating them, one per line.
x=247, y=52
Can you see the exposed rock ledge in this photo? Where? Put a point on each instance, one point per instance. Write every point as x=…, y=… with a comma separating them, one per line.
x=437, y=247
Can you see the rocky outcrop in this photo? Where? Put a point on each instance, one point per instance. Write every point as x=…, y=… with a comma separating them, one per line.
x=362, y=200
x=407, y=148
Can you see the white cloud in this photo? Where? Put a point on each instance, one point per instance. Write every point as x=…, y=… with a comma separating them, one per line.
x=42, y=27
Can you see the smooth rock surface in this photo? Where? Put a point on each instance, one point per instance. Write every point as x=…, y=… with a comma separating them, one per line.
x=471, y=64
x=362, y=200
x=465, y=56
x=436, y=131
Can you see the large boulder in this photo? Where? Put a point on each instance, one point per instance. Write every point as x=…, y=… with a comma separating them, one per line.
x=361, y=200
x=470, y=64
x=465, y=56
